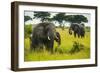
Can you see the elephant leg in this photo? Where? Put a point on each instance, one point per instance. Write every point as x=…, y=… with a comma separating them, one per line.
x=70, y=31
x=49, y=46
x=36, y=44
x=74, y=34
x=33, y=44
x=41, y=45
x=82, y=35
x=78, y=35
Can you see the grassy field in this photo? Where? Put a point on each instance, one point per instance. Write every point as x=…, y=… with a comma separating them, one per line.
x=64, y=51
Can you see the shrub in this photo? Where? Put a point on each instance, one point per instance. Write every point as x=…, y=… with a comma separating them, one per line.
x=76, y=47
x=28, y=30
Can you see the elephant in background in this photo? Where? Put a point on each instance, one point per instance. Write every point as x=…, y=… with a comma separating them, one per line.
x=78, y=29
x=44, y=34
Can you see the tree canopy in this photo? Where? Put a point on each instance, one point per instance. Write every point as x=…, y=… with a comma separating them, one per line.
x=26, y=18
x=61, y=18
x=44, y=16
x=76, y=18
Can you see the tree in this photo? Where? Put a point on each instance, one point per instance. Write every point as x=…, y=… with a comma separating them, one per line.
x=60, y=18
x=76, y=18
x=44, y=16
x=26, y=18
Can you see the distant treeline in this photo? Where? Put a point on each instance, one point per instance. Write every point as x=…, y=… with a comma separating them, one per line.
x=60, y=18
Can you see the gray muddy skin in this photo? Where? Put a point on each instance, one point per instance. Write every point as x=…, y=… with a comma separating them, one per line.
x=78, y=29
x=44, y=34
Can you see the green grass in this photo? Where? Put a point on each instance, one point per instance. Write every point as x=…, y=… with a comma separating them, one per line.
x=63, y=51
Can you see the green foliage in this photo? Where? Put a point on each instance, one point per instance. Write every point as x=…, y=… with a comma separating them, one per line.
x=76, y=47
x=28, y=30
x=26, y=18
x=44, y=16
x=27, y=44
x=87, y=29
x=60, y=18
x=76, y=18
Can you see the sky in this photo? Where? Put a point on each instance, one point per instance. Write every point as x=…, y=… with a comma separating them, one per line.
x=36, y=21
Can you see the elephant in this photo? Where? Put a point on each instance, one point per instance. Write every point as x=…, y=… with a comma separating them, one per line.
x=43, y=35
x=78, y=29
x=58, y=38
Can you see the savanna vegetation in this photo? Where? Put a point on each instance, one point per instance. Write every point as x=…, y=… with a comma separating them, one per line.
x=70, y=48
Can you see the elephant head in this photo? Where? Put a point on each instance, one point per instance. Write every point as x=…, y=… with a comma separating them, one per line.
x=70, y=31
x=71, y=28
x=57, y=38
x=50, y=35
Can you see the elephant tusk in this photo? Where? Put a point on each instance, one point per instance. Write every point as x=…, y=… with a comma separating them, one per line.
x=48, y=38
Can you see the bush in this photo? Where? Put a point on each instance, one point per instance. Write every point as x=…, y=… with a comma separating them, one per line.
x=87, y=29
x=27, y=44
x=76, y=47
x=28, y=30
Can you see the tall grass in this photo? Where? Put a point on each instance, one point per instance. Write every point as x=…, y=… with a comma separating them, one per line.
x=62, y=52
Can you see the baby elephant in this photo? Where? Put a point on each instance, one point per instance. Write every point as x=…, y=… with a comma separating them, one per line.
x=58, y=38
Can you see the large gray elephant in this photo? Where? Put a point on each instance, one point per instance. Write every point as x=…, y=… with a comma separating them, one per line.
x=78, y=29
x=44, y=34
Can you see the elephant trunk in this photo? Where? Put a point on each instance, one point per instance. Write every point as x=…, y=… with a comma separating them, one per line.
x=70, y=31
x=57, y=38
